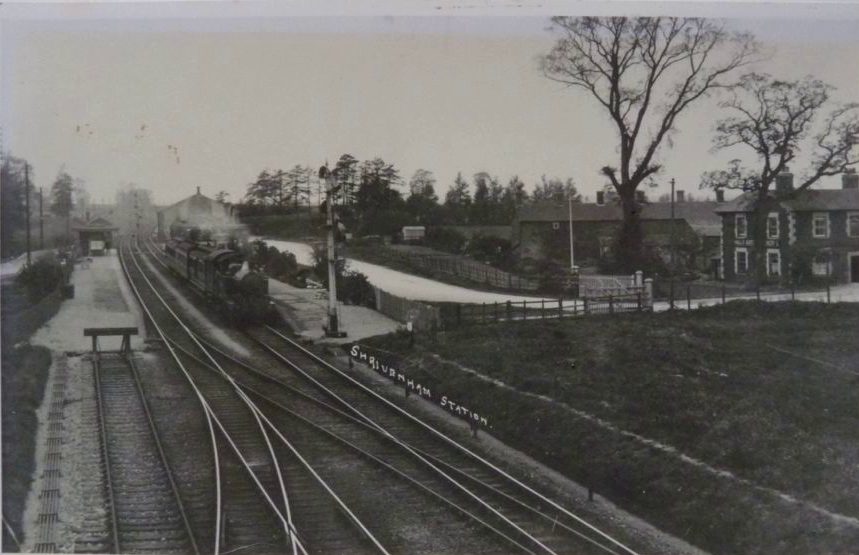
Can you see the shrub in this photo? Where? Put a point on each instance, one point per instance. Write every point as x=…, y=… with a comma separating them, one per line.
x=444, y=239
x=41, y=277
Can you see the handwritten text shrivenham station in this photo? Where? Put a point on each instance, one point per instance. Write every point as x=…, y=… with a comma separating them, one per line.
x=386, y=368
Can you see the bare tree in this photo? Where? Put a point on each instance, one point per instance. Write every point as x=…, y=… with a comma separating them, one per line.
x=644, y=72
x=776, y=120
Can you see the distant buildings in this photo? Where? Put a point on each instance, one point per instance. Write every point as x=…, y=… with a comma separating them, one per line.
x=815, y=234
x=542, y=230
x=202, y=212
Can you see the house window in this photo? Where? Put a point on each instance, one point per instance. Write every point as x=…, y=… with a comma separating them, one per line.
x=820, y=225
x=741, y=227
x=742, y=261
x=853, y=224
x=772, y=226
x=773, y=262
x=820, y=266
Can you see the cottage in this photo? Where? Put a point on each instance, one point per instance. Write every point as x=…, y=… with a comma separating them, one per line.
x=812, y=234
x=542, y=230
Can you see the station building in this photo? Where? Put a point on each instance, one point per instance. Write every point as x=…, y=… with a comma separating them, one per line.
x=94, y=235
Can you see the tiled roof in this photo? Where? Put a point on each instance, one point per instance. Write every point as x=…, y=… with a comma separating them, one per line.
x=701, y=216
x=810, y=199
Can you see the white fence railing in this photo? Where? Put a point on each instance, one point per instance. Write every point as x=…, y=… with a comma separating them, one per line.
x=592, y=285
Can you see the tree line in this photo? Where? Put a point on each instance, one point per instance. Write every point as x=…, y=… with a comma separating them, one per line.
x=373, y=199
x=16, y=179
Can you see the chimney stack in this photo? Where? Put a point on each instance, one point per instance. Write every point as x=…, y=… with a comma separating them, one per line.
x=681, y=195
x=784, y=181
x=850, y=179
x=198, y=189
x=720, y=195
x=600, y=197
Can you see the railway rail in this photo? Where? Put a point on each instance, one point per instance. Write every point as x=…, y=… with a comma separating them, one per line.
x=314, y=399
x=145, y=509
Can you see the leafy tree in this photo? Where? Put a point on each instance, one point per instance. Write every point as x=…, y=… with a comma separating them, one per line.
x=62, y=200
x=774, y=120
x=643, y=72
x=422, y=203
x=481, y=209
x=556, y=190
x=297, y=182
x=457, y=200
x=267, y=190
x=222, y=197
x=380, y=207
x=12, y=202
x=346, y=170
x=514, y=196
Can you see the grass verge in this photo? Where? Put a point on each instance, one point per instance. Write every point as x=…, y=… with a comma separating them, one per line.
x=734, y=387
x=23, y=376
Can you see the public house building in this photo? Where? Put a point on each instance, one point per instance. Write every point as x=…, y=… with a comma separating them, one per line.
x=812, y=234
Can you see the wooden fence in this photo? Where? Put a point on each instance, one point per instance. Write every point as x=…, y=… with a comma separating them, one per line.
x=472, y=270
x=454, y=315
x=423, y=316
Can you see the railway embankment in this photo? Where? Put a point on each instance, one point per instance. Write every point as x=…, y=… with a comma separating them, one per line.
x=732, y=427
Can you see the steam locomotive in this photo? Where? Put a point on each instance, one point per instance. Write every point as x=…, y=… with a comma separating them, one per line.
x=222, y=275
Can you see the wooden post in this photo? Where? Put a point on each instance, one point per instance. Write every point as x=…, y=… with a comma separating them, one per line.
x=610, y=304
x=524, y=310
x=723, y=293
x=542, y=309
x=828, y=294
x=638, y=298
x=560, y=309
x=688, y=297
x=586, y=305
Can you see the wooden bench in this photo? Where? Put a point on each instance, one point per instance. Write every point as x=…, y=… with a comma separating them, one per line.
x=126, y=334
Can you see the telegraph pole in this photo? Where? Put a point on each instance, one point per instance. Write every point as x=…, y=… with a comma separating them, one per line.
x=572, y=250
x=41, y=221
x=673, y=267
x=27, y=201
x=333, y=329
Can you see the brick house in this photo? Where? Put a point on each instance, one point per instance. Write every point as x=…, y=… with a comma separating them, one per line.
x=812, y=235
x=542, y=230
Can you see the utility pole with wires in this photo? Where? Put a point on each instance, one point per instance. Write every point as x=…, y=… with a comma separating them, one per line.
x=671, y=238
x=27, y=201
x=41, y=220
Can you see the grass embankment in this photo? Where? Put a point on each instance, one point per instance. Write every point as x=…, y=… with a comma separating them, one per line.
x=24, y=373
x=715, y=384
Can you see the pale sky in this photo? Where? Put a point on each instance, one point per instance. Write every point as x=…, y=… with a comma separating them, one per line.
x=152, y=95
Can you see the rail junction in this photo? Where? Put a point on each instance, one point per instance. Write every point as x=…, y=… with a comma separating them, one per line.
x=274, y=449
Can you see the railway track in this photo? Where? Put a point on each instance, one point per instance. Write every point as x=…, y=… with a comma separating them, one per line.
x=436, y=476
x=146, y=512
x=256, y=513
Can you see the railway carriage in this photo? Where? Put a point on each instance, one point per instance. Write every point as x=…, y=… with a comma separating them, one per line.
x=222, y=275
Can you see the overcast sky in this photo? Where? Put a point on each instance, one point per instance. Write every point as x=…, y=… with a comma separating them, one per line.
x=151, y=95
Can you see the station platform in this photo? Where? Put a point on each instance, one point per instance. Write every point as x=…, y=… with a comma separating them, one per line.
x=102, y=298
x=306, y=310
